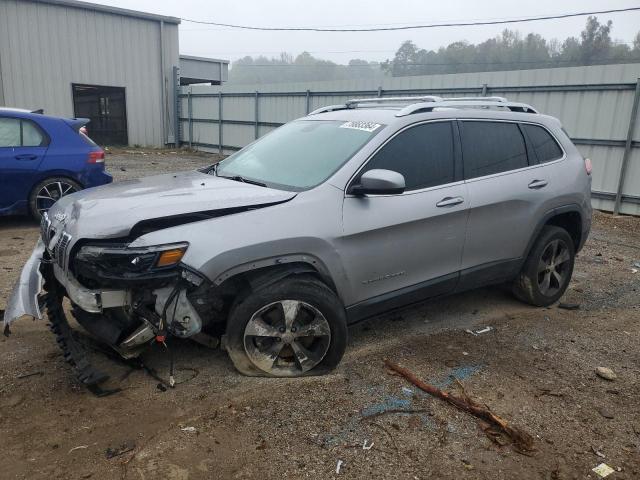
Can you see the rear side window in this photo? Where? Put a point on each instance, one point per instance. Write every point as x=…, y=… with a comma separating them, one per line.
x=423, y=154
x=20, y=133
x=544, y=145
x=492, y=147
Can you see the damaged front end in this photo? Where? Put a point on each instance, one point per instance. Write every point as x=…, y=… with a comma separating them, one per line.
x=127, y=298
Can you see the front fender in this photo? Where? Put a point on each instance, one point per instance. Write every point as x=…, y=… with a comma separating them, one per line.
x=24, y=297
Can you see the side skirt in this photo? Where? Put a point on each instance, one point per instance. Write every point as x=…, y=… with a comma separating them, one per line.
x=468, y=279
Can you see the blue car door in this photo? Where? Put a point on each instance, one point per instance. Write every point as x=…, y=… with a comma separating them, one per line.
x=22, y=147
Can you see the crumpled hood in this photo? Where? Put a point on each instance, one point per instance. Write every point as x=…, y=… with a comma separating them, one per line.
x=112, y=210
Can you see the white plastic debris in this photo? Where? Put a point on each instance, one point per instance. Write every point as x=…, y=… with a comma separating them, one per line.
x=339, y=465
x=367, y=447
x=603, y=470
x=407, y=391
x=189, y=429
x=79, y=447
x=479, y=331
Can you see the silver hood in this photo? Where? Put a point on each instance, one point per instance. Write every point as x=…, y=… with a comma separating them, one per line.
x=112, y=210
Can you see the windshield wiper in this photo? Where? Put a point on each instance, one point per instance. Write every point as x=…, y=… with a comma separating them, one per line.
x=239, y=178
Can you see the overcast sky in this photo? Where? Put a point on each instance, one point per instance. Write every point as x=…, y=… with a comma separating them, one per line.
x=210, y=41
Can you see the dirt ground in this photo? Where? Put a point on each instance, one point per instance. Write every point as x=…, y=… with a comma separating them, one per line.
x=534, y=369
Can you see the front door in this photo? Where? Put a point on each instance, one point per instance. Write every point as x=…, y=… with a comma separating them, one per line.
x=402, y=248
x=22, y=147
x=106, y=108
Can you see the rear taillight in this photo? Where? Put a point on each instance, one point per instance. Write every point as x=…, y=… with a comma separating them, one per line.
x=96, y=157
x=587, y=165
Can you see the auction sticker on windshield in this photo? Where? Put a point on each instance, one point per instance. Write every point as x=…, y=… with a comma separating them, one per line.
x=365, y=126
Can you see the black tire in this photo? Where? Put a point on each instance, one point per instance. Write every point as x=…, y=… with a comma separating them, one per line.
x=312, y=297
x=547, y=271
x=61, y=186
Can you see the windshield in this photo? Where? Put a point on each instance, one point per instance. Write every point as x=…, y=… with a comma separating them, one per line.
x=298, y=155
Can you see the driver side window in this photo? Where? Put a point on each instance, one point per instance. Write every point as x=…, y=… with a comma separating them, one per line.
x=423, y=154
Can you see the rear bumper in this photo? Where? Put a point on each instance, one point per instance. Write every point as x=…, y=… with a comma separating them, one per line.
x=24, y=299
x=95, y=176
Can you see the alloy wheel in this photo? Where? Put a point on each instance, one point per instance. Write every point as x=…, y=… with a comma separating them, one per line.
x=553, y=267
x=287, y=337
x=51, y=193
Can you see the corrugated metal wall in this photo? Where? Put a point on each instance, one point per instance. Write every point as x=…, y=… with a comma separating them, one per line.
x=45, y=48
x=594, y=104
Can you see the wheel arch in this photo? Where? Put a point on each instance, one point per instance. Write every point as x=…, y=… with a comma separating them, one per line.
x=568, y=217
x=263, y=272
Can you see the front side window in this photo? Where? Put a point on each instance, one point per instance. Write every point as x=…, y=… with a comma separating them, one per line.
x=15, y=132
x=423, y=154
x=544, y=145
x=299, y=155
x=492, y=147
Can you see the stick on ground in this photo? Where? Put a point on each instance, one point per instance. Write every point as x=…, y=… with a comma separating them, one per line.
x=521, y=439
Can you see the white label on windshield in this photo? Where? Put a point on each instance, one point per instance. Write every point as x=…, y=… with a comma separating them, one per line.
x=366, y=126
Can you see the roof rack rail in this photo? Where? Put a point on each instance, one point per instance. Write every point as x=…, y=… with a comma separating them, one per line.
x=462, y=102
x=429, y=103
x=424, y=98
x=463, y=99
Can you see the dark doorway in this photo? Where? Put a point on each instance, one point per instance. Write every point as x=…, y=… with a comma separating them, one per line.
x=106, y=108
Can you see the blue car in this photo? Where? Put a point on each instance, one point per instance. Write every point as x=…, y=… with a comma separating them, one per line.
x=44, y=158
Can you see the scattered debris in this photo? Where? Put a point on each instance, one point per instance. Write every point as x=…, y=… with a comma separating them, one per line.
x=606, y=373
x=605, y=413
x=603, y=470
x=523, y=442
x=569, y=306
x=467, y=464
x=465, y=353
x=634, y=270
x=636, y=264
x=32, y=374
x=597, y=452
x=339, y=465
x=112, y=452
x=189, y=429
x=79, y=447
x=367, y=447
x=161, y=387
x=479, y=331
x=407, y=391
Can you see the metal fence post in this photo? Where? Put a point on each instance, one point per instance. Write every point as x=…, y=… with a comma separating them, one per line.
x=177, y=127
x=190, y=116
x=257, y=115
x=308, y=107
x=220, y=123
x=627, y=148
x=379, y=91
x=484, y=89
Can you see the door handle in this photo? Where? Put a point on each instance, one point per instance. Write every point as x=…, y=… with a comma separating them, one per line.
x=450, y=201
x=538, y=184
x=26, y=156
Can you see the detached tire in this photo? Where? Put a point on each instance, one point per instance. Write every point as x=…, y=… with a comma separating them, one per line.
x=547, y=271
x=296, y=327
x=48, y=192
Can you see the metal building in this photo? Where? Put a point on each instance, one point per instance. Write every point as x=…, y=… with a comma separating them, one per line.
x=115, y=66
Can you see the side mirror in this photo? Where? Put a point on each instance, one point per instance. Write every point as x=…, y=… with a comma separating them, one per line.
x=379, y=182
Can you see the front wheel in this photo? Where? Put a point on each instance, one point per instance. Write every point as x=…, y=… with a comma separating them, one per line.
x=48, y=192
x=294, y=328
x=547, y=271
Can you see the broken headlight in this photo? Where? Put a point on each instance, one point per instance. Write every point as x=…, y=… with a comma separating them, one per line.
x=119, y=262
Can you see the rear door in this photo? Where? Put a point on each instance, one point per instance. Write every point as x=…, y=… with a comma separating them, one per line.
x=409, y=246
x=508, y=194
x=22, y=147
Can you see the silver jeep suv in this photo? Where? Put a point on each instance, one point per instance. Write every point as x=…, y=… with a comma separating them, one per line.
x=350, y=211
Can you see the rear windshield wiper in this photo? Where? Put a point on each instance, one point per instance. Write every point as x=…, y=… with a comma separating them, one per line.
x=239, y=178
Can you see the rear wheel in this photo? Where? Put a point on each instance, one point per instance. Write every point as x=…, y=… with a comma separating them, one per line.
x=547, y=271
x=294, y=328
x=48, y=192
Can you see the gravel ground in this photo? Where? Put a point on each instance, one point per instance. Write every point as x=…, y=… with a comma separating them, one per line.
x=535, y=369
